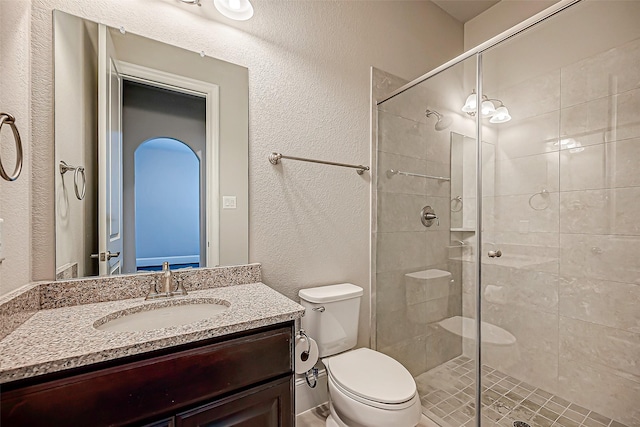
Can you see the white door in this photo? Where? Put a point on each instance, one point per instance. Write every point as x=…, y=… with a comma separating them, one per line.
x=109, y=156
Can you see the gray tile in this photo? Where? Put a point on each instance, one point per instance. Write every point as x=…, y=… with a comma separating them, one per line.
x=527, y=386
x=531, y=405
x=537, y=399
x=575, y=416
x=566, y=422
x=437, y=396
x=540, y=421
x=579, y=409
x=439, y=412
x=499, y=389
x=589, y=422
x=543, y=393
x=548, y=413
x=554, y=407
x=515, y=396
x=447, y=406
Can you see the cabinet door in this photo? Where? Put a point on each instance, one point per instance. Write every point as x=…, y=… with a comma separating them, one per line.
x=168, y=422
x=269, y=405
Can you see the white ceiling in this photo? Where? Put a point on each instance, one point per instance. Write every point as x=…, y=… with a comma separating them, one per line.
x=464, y=10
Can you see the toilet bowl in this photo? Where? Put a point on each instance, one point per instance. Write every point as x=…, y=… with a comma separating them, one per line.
x=366, y=388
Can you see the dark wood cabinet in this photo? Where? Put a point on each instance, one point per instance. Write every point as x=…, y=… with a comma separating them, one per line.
x=266, y=406
x=243, y=379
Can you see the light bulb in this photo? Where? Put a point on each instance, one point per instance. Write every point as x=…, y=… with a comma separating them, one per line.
x=470, y=104
x=487, y=108
x=239, y=10
x=501, y=115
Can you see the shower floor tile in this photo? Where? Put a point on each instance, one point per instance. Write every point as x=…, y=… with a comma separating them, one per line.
x=448, y=397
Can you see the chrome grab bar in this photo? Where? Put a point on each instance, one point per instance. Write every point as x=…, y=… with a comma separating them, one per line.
x=274, y=159
x=64, y=168
x=11, y=121
x=419, y=175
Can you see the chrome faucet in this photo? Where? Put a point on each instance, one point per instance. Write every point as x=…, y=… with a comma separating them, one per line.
x=169, y=287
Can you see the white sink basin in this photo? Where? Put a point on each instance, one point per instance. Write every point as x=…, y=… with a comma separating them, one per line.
x=160, y=315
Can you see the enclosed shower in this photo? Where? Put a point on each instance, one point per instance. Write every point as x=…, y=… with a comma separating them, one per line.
x=506, y=207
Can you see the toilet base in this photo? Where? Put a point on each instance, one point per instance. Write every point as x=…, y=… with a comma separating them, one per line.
x=334, y=420
x=331, y=422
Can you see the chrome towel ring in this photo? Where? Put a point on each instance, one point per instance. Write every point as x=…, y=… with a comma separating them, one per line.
x=11, y=121
x=79, y=170
x=456, y=202
x=545, y=196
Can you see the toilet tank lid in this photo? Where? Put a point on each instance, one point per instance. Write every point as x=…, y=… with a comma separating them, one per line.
x=330, y=293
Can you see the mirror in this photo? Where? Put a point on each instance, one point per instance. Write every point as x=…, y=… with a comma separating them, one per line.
x=463, y=180
x=151, y=154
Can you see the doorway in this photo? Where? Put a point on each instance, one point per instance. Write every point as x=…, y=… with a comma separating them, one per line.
x=164, y=176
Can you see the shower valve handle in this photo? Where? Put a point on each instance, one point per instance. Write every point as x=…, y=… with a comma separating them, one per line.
x=428, y=215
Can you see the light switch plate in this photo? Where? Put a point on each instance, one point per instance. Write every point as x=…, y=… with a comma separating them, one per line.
x=228, y=202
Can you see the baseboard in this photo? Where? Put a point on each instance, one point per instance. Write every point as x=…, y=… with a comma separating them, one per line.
x=307, y=397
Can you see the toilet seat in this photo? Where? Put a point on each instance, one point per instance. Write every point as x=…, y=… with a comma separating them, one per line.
x=372, y=378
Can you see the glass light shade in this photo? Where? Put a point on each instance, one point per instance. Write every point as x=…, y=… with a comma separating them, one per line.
x=501, y=115
x=470, y=104
x=239, y=10
x=487, y=109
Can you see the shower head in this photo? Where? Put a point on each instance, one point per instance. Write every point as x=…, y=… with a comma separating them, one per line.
x=443, y=121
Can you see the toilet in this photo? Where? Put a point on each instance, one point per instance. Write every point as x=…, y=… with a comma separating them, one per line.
x=366, y=388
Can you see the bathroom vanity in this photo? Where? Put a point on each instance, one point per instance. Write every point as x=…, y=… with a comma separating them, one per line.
x=235, y=368
x=235, y=379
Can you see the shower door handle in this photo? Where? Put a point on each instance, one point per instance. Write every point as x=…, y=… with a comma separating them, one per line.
x=495, y=254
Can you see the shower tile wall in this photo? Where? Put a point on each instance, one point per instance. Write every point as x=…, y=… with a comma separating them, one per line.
x=568, y=286
x=405, y=316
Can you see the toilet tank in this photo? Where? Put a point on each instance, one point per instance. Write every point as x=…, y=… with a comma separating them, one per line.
x=331, y=316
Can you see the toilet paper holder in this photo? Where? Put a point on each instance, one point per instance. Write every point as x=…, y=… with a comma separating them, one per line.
x=303, y=335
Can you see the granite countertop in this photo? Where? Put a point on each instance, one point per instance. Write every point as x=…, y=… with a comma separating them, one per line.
x=61, y=338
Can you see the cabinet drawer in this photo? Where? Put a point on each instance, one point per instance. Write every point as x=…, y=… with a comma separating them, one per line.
x=152, y=387
x=269, y=405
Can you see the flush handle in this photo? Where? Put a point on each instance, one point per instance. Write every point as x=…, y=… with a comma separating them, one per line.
x=319, y=309
x=495, y=254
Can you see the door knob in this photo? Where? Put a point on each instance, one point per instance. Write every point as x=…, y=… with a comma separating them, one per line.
x=103, y=256
x=495, y=254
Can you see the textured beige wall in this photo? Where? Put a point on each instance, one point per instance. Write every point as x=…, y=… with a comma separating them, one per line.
x=309, y=66
x=499, y=18
x=75, y=86
x=14, y=99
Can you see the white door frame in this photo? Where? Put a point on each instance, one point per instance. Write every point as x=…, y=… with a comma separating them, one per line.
x=211, y=94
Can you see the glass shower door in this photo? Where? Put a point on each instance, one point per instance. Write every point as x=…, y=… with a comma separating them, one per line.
x=425, y=238
x=559, y=272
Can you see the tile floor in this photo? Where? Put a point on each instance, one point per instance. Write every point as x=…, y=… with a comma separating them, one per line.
x=448, y=397
x=316, y=417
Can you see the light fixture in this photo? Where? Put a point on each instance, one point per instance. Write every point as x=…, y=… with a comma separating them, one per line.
x=239, y=10
x=470, y=104
x=571, y=144
x=501, y=115
x=487, y=108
